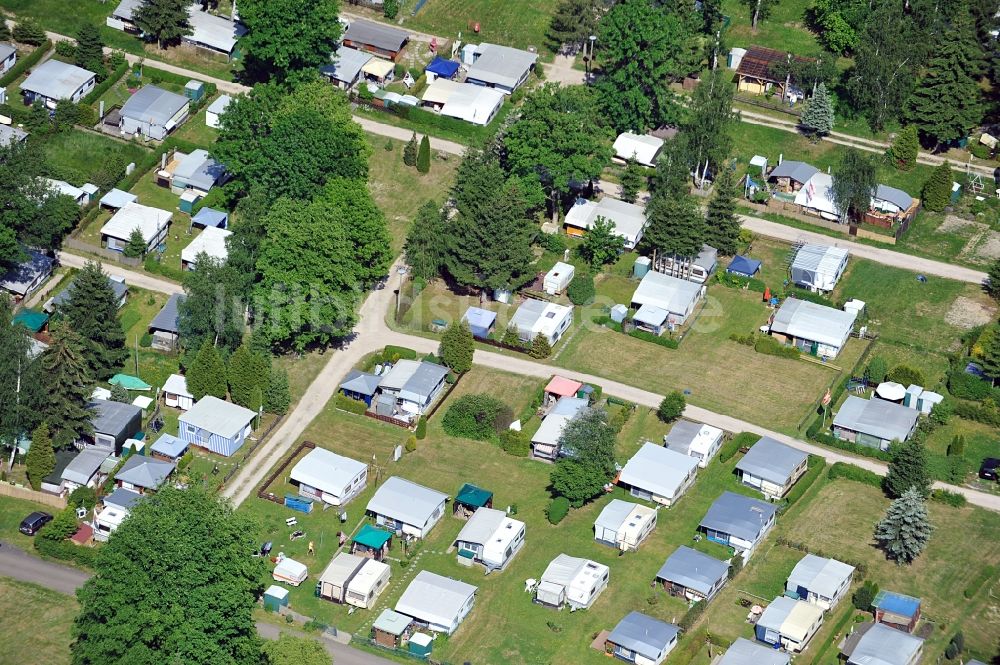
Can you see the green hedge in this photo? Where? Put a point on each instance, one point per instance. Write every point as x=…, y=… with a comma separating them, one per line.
x=66, y=551
x=738, y=281
x=105, y=85
x=967, y=386
x=731, y=447
x=815, y=468
x=978, y=413
x=814, y=434
x=772, y=347
x=24, y=64
x=949, y=498
x=399, y=352
x=979, y=581
x=557, y=510
x=668, y=342
x=479, y=416
x=345, y=403
x=515, y=443
x=855, y=473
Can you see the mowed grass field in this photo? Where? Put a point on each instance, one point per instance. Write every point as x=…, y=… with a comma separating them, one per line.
x=518, y=23
x=36, y=624
x=784, y=29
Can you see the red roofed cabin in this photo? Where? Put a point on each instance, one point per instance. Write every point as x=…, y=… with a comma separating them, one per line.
x=754, y=75
x=560, y=386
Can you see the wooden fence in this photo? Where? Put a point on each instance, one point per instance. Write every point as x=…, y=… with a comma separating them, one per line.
x=109, y=254
x=28, y=494
x=263, y=492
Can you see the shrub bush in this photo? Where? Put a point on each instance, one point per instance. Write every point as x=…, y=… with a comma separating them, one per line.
x=411, y=444
x=988, y=414
x=66, y=49
x=855, y=473
x=906, y=375
x=557, y=510
x=746, y=340
x=24, y=64
x=146, y=341
x=671, y=407
x=863, y=597
x=481, y=417
x=185, y=460
x=581, y=290
x=515, y=443
x=691, y=616
x=857, y=449
x=28, y=31
x=815, y=468
x=967, y=386
x=668, y=342
x=94, y=95
x=552, y=242
x=66, y=551
x=979, y=581
x=949, y=498
x=731, y=447
x=83, y=496
x=345, y=403
x=421, y=432
x=738, y=281
x=772, y=347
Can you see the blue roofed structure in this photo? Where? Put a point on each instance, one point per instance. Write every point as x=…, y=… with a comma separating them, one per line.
x=211, y=217
x=481, y=321
x=169, y=447
x=692, y=574
x=442, y=68
x=897, y=610
x=641, y=638
x=743, y=266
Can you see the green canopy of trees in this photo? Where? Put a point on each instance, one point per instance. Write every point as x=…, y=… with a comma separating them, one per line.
x=854, y=184
x=588, y=443
x=425, y=247
x=207, y=373
x=287, y=39
x=163, y=21
x=209, y=310
x=92, y=312
x=68, y=383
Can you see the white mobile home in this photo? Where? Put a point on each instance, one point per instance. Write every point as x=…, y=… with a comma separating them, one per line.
x=788, y=623
x=772, y=467
x=677, y=297
x=629, y=219
x=328, y=477
x=438, y=602
x=337, y=575
x=658, y=474
x=695, y=440
x=818, y=267
x=557, y=279
x=368, y=584
x=643, y=148
x=820, y=581
x=545, y=441
x=537, y=317
x=572, y=581
x=624, y=525
x=812, y=328
x=152, y=224
x=490, y=538
x=404, y=506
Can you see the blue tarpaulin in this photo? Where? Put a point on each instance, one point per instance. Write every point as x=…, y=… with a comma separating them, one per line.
x=741, y=265
x=211, y=217
x=443, y=68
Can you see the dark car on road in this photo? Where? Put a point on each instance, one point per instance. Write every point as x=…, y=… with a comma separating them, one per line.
x=990, y=469
x=33, y=522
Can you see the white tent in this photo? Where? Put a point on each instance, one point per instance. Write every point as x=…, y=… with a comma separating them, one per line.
x=642, y=147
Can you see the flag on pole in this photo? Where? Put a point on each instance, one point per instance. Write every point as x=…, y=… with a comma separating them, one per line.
x=827, y=397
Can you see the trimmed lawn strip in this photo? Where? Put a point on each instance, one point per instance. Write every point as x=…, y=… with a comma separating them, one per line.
x=518, y=23
x=38, y=622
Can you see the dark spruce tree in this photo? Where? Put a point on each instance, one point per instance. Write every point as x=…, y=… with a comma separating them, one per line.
x=92, y=313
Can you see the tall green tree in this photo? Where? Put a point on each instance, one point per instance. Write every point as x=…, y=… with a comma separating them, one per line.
x=937, y=189
x=243, y=246
x=5, y=35
x=993, y=280
x=424, y=155
x=410, y=151
x=289, y=144
x=854, y=184
x=905, y=148
x=28, y=31
x=41, y=458
x=908, y=469
x=68, y=383
x=643, y=49
x=540, y=347
x=632, y=180
x=947, y=101
x=21, y=390
x=722, y=226
x=207, y=373
x=673, y=175
x=20, y=214
x=490, y=238
x=119, y=393
x=425, y=242
x=884, y=65
x=904, y=531
x=708, y=127
x=587, y=461
x=601, y=245
x=759, y=10
x=989, y=359
x=817, y=118
x=57, y=215
x=287, y=39
x=247, y=370
x=676, y=227
x=292, y=650
x=92, y=312
x=209, y=311
x=277, y=397
x=365, y=225
x=457, y=347
x=579, y=155
x=195, y=551
x=571, y=25
x=163, y=21
x=838, y=23
x=671, y=406
x=90, y=50
x=135, y=248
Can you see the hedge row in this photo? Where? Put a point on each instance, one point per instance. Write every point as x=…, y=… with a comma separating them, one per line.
x=25, y=63
x=816, y=465
x=949, y=498
x=668, y=342
x=731, y=447
x=861, y=566
x=968, y=386
x=66, y=551
x=106, y=84
x=833, y=442
x=978, y=413
x=855, y=473
x=345, y=403
x=738, y=281
x=772, y=347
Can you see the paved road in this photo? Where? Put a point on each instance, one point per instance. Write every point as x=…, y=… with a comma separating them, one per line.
x=139, y=279
x=879, y=254
x=17, y=564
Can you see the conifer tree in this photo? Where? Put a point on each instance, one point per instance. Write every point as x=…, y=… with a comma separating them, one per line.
x=135, y=248
x=632, y=180
x=989, y=359
x=905, y=148
x=41, y=458
x=904, y=531
x=248, y=369
x=722, y=225
x=424, y=155
x=818, y=118
x=277, y=397
x=676, y=226
x=993, y=281
x=92, y=312
x=457, y=347
x=907, y=469
x=410, y=151
x=425, y=243
x=937, y=189
x=120, y=394
x=207, y=374
x=540, y=347
x=90, y=50
x=68, y=385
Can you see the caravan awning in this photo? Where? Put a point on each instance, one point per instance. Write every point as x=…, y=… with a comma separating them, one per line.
x=378, y=68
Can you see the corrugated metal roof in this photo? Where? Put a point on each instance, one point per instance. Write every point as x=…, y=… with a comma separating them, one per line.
x=327, y=471
x=434, y=598
x=771, y=460
x=819, y=575
x=153, y=104
x=812, y=321
x=56, y=80
x=376, y=34
x=145, y=472
x=797, y=171
x=112, y=418
x=643, y=634
x=666, y=292
x=745, y=652
x=406, y=501
x=876, y=417
x=166, y=319
x=218, y=416
x=657, y=469
x=501, y=65
x=739, y=516
x=693, y=569
x=878, y=644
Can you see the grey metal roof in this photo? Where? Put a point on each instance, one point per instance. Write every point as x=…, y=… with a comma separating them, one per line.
x=9, y=135
x=126, y=8
x=220, y=104
x=501, y=65
x=199, y=170
x=434, y=598
x=345, y=64
x=426, y=377
x=771, y=460
x=897, y=197
x=707, y=258
x=682, y=435
x=643, y=634
x=666, y=292
x=213, y=31
x=392, y=622
x=145, y=472
x=56, y=80
x=738, y=516
x=218, y=416
x=112, y=418
x=5, y=51
x=797, y=171
x=814, y=322
x=118, y=288
x=818, y=574
x=20, y=277
x=167, y=318
x=528, y=313
x=616, y=512
x=406, y=501
x=482, y=525
x=361, y=382
x=745, y=652
x=116, y=198
x=878, y=644
x=122, y=498
x=776, y=613
x=377, y=35
x=170, y=446
x=876, y=417
x=693, y=569
x=84, y=465
x=657, y=469
x=153, y=104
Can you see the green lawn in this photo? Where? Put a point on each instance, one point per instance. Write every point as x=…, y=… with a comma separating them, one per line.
x=139, y=310
x=980, y=441
x=785, y=29
x=78, y=156
x=38, y=622
x=12, y=511
x=195, y=130
x=518, y=23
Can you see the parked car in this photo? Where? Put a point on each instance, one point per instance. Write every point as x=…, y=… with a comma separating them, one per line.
x=33, y=522
x=990, y=469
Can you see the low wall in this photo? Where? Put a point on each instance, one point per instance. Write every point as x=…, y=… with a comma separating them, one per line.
x=28, y=494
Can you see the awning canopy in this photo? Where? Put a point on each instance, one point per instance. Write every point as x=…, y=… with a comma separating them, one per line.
x=441, y=67
x=129, y=382
x=30, y=319
x=378, y=68
x=470, y=495
x=372, y=538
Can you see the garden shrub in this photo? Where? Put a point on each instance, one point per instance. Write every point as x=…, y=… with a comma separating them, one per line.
x=66, y=49
x=668, y=342
x=738, y=281
x=731, y=447
x=691, y=616
x=480, y=417
x=772, y=347
x=863, y=597
x=557, y=510
x=515, y=443
x=552, y=242
x=66, y=551
x=83, y=496
x=146, y=341
x=986, y=413
x=421, y=432
x=581, y=290
x=968, y=386
x=949, y=498
x=906, y=375
x=393, y=353
x=746, y=340
x=185, y=461
x=855, y=473
x=411, y=444
x=345, y=403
